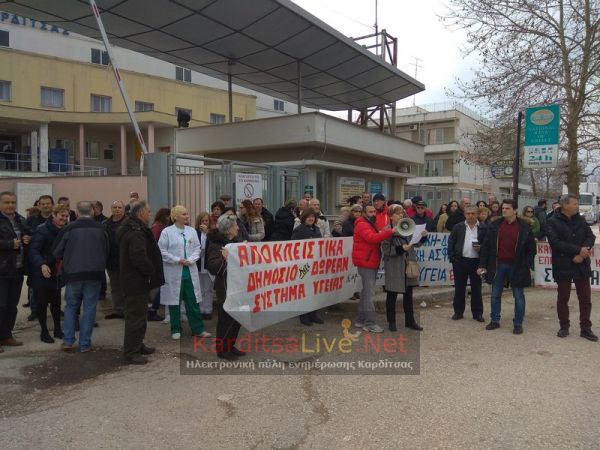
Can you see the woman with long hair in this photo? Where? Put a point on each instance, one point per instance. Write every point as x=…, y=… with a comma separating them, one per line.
x=206, y=282
x=451, y=209
x=180, y=249
x=252, y=221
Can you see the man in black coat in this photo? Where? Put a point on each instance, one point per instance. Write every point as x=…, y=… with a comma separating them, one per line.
x=572, y=240
x=507, y=254
x=540, y=212
x=14, y=237
x=112, y=224
x=141, y=265
x=284, y=222
x=463, y=253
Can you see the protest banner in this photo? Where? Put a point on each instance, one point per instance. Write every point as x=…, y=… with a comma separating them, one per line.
x=269, y=282
x=543, y=267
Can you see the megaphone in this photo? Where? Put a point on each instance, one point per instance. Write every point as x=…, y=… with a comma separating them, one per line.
x=406, y=227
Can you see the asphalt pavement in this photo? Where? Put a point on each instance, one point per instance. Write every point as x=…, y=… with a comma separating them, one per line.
x=473, y=388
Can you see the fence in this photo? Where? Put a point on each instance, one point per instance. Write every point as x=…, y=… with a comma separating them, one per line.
x=21, y=162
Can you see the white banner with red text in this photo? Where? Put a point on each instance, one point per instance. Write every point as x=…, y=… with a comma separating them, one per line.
x=269, y=282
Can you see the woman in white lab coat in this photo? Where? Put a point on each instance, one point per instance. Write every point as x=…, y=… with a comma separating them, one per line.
x=180, y=249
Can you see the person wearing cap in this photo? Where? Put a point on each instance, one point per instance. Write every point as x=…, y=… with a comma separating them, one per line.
x=381, y=211
x=416, y=199
x=420, y=217
x=226, y=199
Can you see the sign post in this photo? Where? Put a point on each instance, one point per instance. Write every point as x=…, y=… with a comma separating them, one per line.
x=248, y=186
x=542, y=130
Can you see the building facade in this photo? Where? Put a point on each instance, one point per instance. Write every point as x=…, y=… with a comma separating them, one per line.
x=58, y=94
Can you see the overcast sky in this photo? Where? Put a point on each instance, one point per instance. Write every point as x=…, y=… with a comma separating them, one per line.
x=420, y=34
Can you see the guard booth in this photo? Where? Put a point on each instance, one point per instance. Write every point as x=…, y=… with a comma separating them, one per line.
x=196, y=181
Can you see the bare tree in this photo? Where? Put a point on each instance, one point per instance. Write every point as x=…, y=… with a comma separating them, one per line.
x=536, y=52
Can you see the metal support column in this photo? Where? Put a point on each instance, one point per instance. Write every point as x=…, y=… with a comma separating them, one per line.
x=299, y=80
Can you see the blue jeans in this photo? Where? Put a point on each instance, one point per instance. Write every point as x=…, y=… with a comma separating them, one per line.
x=77, y=292
x=504, y=272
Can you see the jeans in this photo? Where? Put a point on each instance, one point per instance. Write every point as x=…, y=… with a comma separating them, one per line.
x=76, y=293
x=504, y=272
x=366, y=307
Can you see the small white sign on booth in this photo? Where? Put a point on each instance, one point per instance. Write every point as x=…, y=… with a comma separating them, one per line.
x=248, y=186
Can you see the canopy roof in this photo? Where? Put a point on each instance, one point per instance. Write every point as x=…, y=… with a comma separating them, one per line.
x=259, y=41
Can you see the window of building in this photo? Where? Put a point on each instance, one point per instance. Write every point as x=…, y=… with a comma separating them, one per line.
x=4, y=38
x=52, y=97
x=143, y=106
x=183, y=74
x=101, y=103
x=217, y=119
x=278, y=105
x=100, y=57
x=92, y=150
x=109, y=152
x=5, y=91
x=434, y=168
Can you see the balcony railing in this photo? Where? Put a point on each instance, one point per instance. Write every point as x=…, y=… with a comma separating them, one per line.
x=18, y=162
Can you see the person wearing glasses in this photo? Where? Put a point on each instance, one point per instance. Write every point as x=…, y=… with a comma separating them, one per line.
x=529, y=217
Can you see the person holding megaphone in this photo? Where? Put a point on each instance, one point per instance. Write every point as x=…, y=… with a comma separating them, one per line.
x=398, y=253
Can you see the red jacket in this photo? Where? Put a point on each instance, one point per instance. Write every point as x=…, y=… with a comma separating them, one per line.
x=382, y=218
x=366, y=249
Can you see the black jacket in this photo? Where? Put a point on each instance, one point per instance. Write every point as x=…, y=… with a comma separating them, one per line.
x=8, y=254
x=567, y=237
x=83, y=246
x=40, y=253
x=348, y=226
x=113, y=254
x=34, y=222
x=456, y=241
x=284, y=225
x=525, y=252
x=424, y=220
x=269, y=223
x=540, y=213
x=140, y=261
x=216, y=264
x=304, y=231
x=455, y=218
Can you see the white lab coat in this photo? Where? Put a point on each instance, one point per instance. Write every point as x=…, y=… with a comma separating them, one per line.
x=172, y=250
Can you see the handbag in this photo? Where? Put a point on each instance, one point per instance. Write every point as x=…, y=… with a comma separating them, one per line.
x=412, y=269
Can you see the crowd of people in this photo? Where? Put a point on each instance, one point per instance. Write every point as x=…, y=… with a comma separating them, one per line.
x=169, y=262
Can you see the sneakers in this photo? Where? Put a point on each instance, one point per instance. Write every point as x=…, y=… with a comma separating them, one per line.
x=204, y=334
x=563, y=333
x=492, y=326
x=587, y=334
x=373, y=328
x=176, y=336
x=68, y=347
x=358, y=324
x=85, y=349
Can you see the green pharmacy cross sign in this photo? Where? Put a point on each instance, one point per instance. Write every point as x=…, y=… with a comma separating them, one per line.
x=542, y=127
